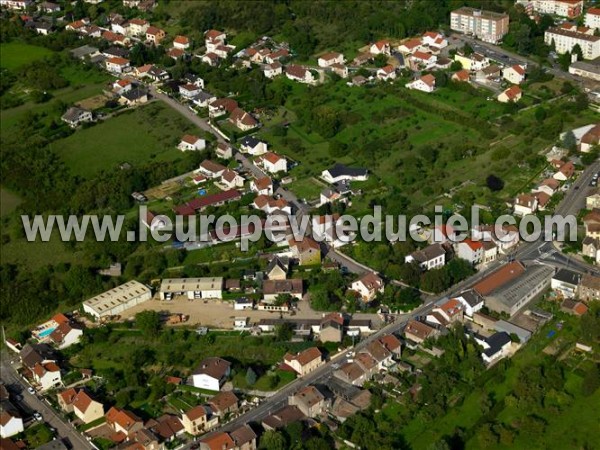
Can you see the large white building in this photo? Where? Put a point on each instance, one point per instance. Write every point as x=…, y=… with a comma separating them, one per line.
x=193, y=288
x=592, y=18
x=565, y=39
x=562, y=8
x=486, y=25
x=117, y=300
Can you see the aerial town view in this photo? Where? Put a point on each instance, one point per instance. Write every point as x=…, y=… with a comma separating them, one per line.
x=300, y=224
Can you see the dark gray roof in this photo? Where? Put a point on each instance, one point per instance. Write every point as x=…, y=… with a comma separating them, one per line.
x=135, y=93
x=73, y=114
x=428, y=253
x=82, y=51
x=471, y=297
x=277, y=261
x=203, y=96
x=339, y=170
x=496, y=342
x=250, y=141
x=116, y=51
x=567, y=276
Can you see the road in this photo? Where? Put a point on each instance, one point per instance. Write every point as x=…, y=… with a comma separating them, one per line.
x=31, y=402
x=509, y=58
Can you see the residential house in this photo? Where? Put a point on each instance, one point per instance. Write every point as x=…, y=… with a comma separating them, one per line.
x=340, y=172
x=115, y=38
x=565, y=282
x=589, y=288
x=212, y=59
x=549, y=186
x=471, y=251
x=271, y=205
x=231, y=179
x=46, y=375
x=368, y=286
x=81, y=404
x=189, y=90
x=331, y=328
x=282, y=418
x=566, y=171
x=573, y=307
x=592, y=18
x=65, y=335
x=262, y=186
x=211, y=373
x=305, y=361
x=11, y=422
x=381, y=47
x=214, y=38
x=138, y=27
x=273, y=162
x=495, y=347
x=328, y=59
x=430, y=257
x=123, y=421
x=386, y=73
x=190, y=142
x=490, y=252
x=473, y=62
x=196, y=420
x=471, y=301
x=591, y=248
x=511, y=95
x=435, y=40
x=211, y=169
x=419, y=332
x=242, y=120
x=310, y=401
x=253, y=146
x=181, y=42
x=447, y=313
x=203, y=99
x=224, y=150
x=155, y=35
x=307, y=251
x=421, y=59
x=489, y=73
x=425, y=83
x=340, y=69
x=277, y=55
x=167, y=427
x=514, y=74
x=299, y=73
x=243, y=437
x=461, y=76
x=543, y=199
x=505, y=237
x=590, y=139
x=277, y=268
x=76, y=116
x=273, y=288
x=591, y=222
x=135, y=96
x=48, y=7
x=223, y=403
x=272, y=70
x=525, y=204
x=117, y=65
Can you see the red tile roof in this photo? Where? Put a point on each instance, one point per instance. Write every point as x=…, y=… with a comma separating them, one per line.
x=500, y=277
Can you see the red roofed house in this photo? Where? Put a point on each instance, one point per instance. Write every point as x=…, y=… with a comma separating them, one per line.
x=47, y=375
x=81, y=404
x=542, y=199
x=307, y=251
x=328, y=59
x=231, y=179
x=471, y=251
x=419, y=332
x=155, y=35
x=565, y=172
x=434, y=39
x=461, y=76
x=589, y=139
x=276, y=56
x=262, y=186
x=117, y=65
x=386, y=73
x=514, y=74
x=304, y=362
x=273, y=163
x=525, y=204
x=381, y=47
x=65, y=335
x=197, y=420
x=123, y=421
x=368, y=286
x=211, y=373
x=299, y=73
x=446, y=313
x=425, y=84
x=221, y=106
x=214, y=38
x=138, y=27
x=243, y=120
x=512, y=94
x=592, y=18
x=410, y=46
x=189, y=90
x=272, y=70
x=211, y=169
x=423, y=59
x=181, y=42
x=189, y=142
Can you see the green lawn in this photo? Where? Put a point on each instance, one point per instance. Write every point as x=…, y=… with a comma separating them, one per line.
x=8, y=201
x=34, y=255
x=16, y=54
x=150, y=132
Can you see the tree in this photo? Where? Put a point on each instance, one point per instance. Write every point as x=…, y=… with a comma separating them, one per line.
x=494, y=183
x=564, y=61
x=273, y=440
x=540, y=114
x=568, y=141
x=250, y=377
x=380, y=60
x=591, y=381
x=283, y=332
x=467, y=50
x=455, y=67
x=576, y=50
x=148, y=322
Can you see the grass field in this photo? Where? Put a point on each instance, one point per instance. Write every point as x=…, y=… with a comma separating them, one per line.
x=16, y=54
x=150, y=132
x=8, y=201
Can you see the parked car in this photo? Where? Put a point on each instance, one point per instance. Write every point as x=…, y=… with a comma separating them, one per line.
x=37, y=416
x=31, y=390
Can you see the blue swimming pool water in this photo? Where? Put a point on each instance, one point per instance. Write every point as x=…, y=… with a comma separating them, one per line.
x=46, y=332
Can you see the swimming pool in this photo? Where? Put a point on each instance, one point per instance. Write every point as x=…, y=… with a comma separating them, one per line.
x=46, y=332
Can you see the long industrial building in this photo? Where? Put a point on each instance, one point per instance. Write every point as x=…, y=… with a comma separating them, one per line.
x=117, y=300
x=193, y=288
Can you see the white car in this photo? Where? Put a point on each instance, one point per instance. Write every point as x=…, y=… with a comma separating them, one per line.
x=31, y=390
x=37, y=416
